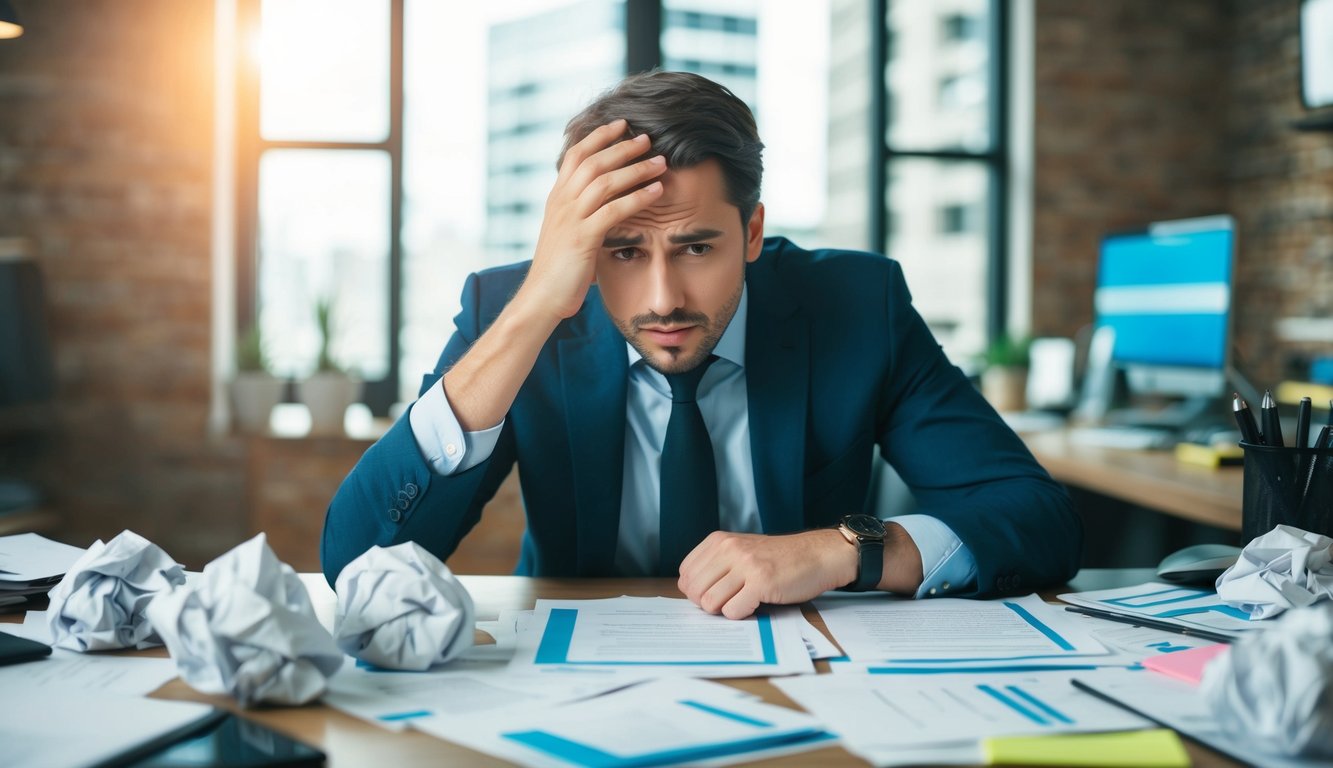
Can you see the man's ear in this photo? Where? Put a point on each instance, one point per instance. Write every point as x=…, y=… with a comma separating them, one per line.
x=754, y=233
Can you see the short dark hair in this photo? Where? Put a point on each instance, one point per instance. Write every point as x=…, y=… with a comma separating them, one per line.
x=689, y=119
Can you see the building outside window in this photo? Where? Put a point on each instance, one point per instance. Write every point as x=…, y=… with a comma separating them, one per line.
x=402, y=144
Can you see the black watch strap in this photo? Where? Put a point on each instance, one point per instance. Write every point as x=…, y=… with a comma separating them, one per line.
x=871, y=567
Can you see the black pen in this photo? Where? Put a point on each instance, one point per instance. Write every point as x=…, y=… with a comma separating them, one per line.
x=1268, y=417
x=1303, y=423
x=1140, y=621
x=1249, y=431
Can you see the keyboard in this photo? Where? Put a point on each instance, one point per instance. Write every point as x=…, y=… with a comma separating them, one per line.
x=1127, y=438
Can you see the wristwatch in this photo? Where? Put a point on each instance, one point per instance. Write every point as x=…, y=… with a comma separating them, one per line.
x=866, y=533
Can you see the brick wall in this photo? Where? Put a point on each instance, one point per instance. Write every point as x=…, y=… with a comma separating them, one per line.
x=105, y=167
x=1149, y=110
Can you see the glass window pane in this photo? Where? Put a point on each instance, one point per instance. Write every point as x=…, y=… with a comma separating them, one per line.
x=480, y=151
x=938, y=75
x=324, y=236
x=324, y=70
x=938, y=230
x=802, y=68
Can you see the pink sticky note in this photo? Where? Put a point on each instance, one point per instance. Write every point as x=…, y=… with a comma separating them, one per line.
x=1185, y=665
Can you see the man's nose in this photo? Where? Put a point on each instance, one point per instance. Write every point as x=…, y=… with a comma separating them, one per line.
x=664, y=292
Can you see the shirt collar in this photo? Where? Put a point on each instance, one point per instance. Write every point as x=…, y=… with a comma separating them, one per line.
x=731, y=347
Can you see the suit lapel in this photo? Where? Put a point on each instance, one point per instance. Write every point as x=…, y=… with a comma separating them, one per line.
x=777, y=376
x=594, y=375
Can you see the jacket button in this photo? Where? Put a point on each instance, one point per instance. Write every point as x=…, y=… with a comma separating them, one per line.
x=403, y=504
x=395, y=515
x=411, y=489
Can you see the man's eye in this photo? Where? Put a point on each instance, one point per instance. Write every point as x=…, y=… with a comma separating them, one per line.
x=698, y=249
x=622, y=254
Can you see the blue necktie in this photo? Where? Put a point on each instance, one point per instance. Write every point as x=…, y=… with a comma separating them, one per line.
x=689, y=479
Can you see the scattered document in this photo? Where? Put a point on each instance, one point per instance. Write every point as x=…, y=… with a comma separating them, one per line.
x=30, y=565
x=898, y=720
x=655, y=636
x=36, y=728
x=817, y=643
x=76, y=674
x=664, y=722
x=1186, y=607
x=397, y=700
x=1180, y=706
x=951, y=630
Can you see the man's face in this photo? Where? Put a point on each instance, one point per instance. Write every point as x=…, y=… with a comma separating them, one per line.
x=671, y=275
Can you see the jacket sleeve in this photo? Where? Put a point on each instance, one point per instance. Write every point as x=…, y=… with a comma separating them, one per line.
x=966, y=467
x=392, y=495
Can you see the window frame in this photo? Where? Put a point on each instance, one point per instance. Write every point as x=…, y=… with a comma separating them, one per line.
x=995, y=159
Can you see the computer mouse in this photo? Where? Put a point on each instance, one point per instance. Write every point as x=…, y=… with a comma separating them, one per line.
x=1198, y=564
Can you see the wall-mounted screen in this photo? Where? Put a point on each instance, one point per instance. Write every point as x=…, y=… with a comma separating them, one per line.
x=1317, y=53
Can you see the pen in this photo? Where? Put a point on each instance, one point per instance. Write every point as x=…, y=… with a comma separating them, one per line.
x=1268, y=416
x=1303, y=423
x=1249, y=431
x=1140, y=621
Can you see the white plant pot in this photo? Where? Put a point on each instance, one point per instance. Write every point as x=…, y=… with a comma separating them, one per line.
x=327, y=395
x=254, y=394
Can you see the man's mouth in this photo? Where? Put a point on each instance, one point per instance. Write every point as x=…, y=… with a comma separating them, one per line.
x=667, y=337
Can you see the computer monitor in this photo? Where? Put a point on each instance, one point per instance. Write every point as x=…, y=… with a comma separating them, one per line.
x=1166, y=294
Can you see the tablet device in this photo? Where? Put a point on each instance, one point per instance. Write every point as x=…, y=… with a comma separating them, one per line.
x=14, y=649
x=230, y=741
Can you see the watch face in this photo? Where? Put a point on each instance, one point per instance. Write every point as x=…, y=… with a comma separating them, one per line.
x=864, y=525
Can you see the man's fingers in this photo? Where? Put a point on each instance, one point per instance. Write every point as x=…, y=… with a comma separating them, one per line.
x=611, y=185
x=606, y=160
x=721, y=592
x=598, y=139
x=744, y=603
x=624, y=207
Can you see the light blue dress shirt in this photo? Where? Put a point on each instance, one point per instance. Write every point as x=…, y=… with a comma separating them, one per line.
x=946, y=563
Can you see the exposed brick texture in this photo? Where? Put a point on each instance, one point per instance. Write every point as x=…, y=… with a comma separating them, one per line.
x=1150, y=110
x=106, y=111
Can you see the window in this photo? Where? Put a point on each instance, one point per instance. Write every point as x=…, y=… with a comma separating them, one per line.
x=392, y=147
x=941, y=115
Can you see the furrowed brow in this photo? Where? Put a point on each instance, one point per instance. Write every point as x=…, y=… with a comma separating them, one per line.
x=621, y=242
x=686, y=238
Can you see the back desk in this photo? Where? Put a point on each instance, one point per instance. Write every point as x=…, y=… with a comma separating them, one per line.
x=1151, y=479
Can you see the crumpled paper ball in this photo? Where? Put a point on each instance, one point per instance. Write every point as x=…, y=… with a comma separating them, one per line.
x=247, y=629
x=99, y=604
x=1284, y=568
x=1275, y=686
x=401, y=608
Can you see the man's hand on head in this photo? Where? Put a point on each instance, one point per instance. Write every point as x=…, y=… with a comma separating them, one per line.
x=734, y=573
x=599, y=186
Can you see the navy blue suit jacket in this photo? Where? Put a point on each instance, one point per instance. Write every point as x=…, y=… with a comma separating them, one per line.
x=837, y=361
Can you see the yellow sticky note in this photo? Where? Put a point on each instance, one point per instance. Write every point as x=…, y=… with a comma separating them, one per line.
x=1158, y=748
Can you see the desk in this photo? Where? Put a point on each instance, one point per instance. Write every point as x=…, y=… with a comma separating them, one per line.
x=352, y=742
x=1152, y=479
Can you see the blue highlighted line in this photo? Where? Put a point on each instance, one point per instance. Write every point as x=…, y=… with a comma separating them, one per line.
x=1014, y=705
x=1039, y=704
x=728, y=715
x=405, y=715
x=1051, y=634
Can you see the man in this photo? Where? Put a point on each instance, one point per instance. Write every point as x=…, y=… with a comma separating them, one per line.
x=685, y=397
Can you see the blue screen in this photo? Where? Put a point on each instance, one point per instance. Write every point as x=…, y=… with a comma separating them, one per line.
x=1167, y=297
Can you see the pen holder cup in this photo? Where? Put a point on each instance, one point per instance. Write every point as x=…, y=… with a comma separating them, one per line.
x=1286, y=486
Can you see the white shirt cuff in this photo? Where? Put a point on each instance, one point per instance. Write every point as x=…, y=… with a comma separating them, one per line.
x=947, y=566
x=442, y=441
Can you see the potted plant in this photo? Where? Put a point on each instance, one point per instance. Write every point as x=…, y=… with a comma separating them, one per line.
x=330, y=389
x=1004, y=379
x=254, y=391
